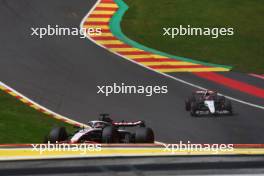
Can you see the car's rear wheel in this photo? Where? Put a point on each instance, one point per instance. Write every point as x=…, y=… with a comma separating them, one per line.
x=228, y=107
x=57, y=134
x=220, y=99
x=128, y=138
x=110, y=135
x=144, y=135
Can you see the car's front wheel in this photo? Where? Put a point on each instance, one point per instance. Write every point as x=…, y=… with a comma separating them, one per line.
x=144, y=135
x=110, y=135
x=57, y=134
x=228, y=107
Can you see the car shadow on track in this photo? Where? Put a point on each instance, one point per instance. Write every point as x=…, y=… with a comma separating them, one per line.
x=216, y=116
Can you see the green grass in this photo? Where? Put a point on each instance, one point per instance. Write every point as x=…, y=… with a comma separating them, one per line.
x=144, y=20
x=22, y=124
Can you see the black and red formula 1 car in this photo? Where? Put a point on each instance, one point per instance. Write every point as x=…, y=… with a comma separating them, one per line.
x=104, y=130
x=208, y=102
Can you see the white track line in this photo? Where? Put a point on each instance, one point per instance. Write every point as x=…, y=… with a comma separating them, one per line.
x=42, y=107
x=164, y=74
x=257, y=76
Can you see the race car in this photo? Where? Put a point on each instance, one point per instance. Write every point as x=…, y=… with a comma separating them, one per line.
x=208, y=102
x=104, y=130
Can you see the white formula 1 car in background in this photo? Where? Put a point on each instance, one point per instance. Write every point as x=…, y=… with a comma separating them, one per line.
x=208, y=102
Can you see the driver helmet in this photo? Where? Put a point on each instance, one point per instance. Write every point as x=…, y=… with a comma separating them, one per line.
x=98, y=124
x=207, y=95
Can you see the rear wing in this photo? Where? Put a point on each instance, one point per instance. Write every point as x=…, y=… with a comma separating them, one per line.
x=104, y=117
x=139, y=123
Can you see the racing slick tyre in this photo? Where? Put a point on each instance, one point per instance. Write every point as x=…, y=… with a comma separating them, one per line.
x=57, y=134
x=193, y=109
x=144, y=135
x=110, y=135
x=228, y=107
x=188, y=105
x=127, y=138
x=221, y=99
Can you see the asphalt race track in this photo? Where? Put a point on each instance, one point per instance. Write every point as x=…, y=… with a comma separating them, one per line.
x=62, y=74
x=237, y=165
